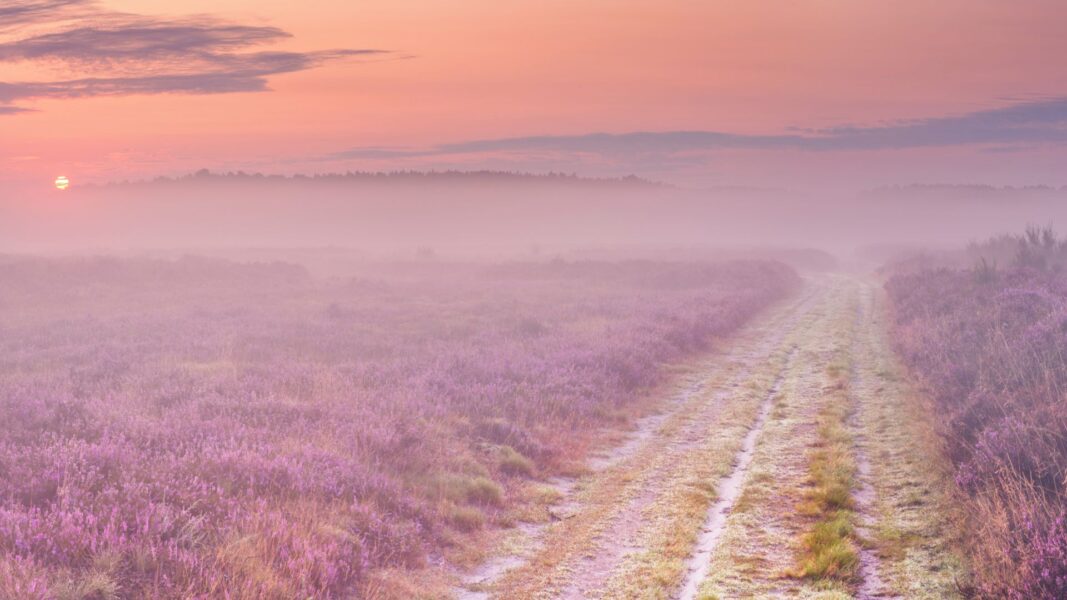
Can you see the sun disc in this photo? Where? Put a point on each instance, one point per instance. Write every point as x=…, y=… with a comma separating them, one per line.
x=62, y=182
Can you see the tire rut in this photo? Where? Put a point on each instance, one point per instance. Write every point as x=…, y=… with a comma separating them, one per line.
x=871, y=585
x=622, y=537
x=757, y=550
x=728, y=491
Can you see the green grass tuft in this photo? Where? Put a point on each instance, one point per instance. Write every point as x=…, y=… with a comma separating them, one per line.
x=513, y=463
x=466, y=518
x=829, y=548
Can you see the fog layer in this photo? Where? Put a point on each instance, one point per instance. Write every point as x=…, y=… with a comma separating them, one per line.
x=501, y=212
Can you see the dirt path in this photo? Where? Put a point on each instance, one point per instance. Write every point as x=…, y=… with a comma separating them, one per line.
x=701, y=501
x=759, y=545
x=871, y=585
x=605, y=511
x=728, y=492
x=904, y=514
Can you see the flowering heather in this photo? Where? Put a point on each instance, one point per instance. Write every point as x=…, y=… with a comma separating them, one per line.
x=991, y=346
x=196, y=429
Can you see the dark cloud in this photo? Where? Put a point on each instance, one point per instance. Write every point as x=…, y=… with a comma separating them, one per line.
x=246, y=73
x=1039, y=121
x=140, y=41
x=22, y=12
x=1034, y=122
x=13, y=110
x=608, y=144
x=129, y=54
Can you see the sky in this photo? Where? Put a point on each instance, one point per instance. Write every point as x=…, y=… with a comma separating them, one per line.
x=806, y=94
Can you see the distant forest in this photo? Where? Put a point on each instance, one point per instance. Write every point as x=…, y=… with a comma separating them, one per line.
x=406, y=176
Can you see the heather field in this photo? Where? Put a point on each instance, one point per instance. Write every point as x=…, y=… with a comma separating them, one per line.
x=618, y=429
x=989, y=343
x=206, y=429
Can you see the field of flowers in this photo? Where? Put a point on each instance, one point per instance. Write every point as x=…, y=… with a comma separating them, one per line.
x=990, y=344
x=198, y=428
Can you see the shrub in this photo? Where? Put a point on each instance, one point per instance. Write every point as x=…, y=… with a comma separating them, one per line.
x=482, y=490
x=466, y=518
x=513, y=463
x=992, y=350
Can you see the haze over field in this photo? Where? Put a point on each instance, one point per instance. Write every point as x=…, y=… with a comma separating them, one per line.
x=485, y=213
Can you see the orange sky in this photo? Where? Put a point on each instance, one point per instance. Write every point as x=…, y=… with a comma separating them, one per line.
x=480, y=69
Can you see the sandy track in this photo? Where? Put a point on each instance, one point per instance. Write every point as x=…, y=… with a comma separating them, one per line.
x=904, y=507
x=871, y=585
x=759, y=544
x=581, y=555
x=728, y=492
x=700, y=500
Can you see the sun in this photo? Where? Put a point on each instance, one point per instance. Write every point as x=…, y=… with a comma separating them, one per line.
x=62, y=182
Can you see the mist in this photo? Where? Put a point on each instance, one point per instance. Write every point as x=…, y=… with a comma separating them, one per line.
x=490, y=214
